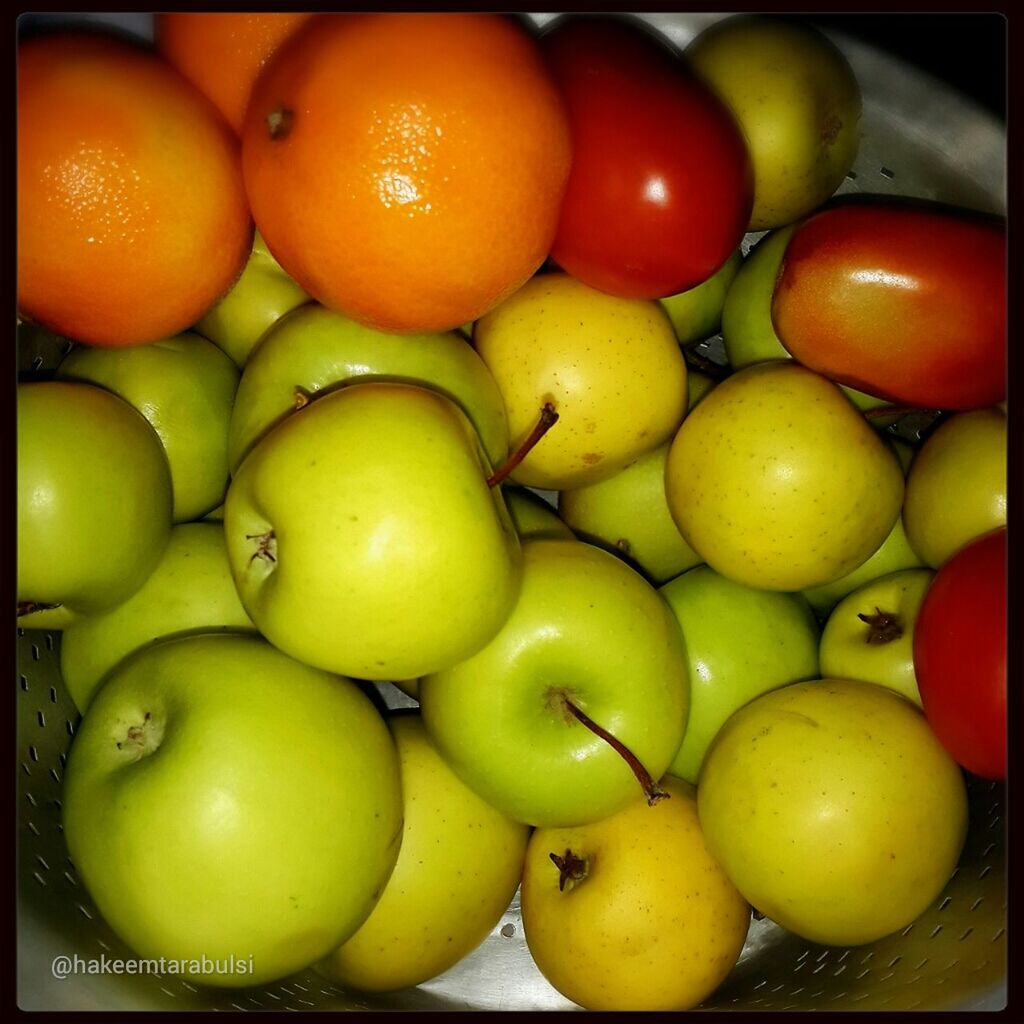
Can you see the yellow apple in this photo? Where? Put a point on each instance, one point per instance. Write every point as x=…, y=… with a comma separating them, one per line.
x=834, y=809
x=611, y=367
x=778, y=482
x=956, y=490
x=457, y=870
x=796, y=99
x=639, y=915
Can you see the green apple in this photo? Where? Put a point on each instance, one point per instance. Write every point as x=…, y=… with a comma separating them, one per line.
x=747, y=329
x=315, y=349
x=697, y=312
x=834, y=809
x=260, y=297
x=956, y=490
x=870, y=633
x=778, y=481
x=94, y=502
x=185, y=387
x=532, y=516
x=893, y=554
x=587, y=632
x=796, y=99
x=698, y=384
x=223, y=800
x=364, y=539
x=190, y=590
x=628, y=514
x=611, y=368
x=637, y=915
x=740, y=643
x=457, y=871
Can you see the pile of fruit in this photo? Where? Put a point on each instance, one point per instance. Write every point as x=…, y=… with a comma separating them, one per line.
x=344, y=291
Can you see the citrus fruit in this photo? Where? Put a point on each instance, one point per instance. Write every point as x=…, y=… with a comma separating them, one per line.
x=221, y=54
x=407, y=169
x=132, y=216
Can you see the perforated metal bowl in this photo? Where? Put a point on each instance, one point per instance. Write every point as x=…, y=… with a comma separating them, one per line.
x=920, y=139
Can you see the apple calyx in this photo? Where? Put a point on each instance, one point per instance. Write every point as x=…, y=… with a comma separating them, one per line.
x=883, y=627
x=571, y=869
x=266, y=547
x=28, y=607
x=279, y=123
x=652, y=791
x=548, y=418
x=142, y=740
x=300, y=397
x=623, y=545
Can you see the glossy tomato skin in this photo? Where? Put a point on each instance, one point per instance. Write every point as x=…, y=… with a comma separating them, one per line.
x=960, y=655
x=661, y=186
x=901, y=300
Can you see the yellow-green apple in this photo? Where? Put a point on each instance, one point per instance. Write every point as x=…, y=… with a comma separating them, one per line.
x=628, y=514
x=223, y=800
x=185, y=386
x=314, y=350
x=457, y=870
x=259, y=298
x=632, y=912
x=956, y=490
x=611, y=368
x=698, y=384
x=834, y=809
x=797, y=100
x=363, y=536
x=590, y=645
x=747, y=329
x=94, y=501
x=697, y=312
x=532, y=516
x=870, y=633
x=893, y=554
x=189, y=590
x=778, y=482
x=740, y=643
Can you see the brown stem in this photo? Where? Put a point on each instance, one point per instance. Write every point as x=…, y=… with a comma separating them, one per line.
x=548, y=418
x=570, y=868
x=883, y=627
x=28, y=607
x=651, y=789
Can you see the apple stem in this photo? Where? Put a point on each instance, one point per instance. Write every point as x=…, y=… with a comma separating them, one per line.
x=300, y=397
x=883, y=627
x=548, y=418
x=28, y=607
x=570, y=868
x=651, y=789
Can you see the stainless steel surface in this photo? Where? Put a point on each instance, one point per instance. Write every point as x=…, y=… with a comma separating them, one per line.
x=919, y=139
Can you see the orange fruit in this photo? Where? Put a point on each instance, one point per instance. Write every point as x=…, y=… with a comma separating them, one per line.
x=132, y=216
x=407, y=169
x=221, y=54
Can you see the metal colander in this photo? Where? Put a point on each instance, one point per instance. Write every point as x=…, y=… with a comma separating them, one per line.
x=919, y=139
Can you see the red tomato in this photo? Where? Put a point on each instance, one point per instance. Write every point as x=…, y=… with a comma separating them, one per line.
x=960, y=655
x=661, y=186
x=903, y=301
